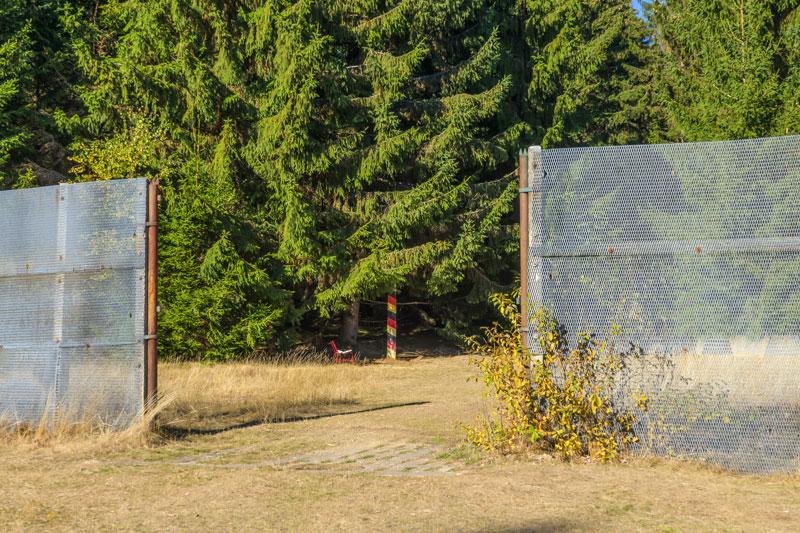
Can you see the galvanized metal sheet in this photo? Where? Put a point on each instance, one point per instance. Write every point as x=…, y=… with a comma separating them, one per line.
x=694, y=251
x=72, y=267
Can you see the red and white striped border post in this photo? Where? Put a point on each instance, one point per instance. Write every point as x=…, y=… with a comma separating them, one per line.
x=391, y=327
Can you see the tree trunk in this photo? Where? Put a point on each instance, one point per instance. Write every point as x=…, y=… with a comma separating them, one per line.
x=349, y=332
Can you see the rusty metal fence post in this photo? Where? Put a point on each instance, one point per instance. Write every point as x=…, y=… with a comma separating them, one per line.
x=151, y=307
x=523, y=245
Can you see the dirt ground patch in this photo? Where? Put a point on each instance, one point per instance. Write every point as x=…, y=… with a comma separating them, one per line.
x=390, y=457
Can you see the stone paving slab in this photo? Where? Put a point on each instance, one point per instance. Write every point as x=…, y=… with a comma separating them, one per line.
x=382, y=458
x=385, y=459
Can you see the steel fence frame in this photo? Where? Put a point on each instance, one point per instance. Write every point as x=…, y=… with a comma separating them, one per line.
x=78, y=305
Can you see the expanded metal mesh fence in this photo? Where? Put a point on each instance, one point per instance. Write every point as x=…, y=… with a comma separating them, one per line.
x=72, y=302
x=693, y=250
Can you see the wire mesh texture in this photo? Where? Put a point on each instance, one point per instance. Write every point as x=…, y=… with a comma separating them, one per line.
x=72, y=302
x=693, y=250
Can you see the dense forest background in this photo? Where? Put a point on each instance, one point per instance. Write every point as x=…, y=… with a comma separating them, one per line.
x=318, y=154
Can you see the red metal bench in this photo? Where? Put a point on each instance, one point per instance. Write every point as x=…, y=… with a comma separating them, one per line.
x=342, y=356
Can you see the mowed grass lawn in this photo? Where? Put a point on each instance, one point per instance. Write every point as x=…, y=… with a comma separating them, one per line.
x=375, y=447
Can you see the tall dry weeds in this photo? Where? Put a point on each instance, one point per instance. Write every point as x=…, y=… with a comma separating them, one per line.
x=85, y=432
x=199, y=396
x=255, y=390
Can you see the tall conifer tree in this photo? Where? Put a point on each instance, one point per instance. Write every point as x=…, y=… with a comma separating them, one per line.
x=727, y=68
x=181, y=69
x=590, y=75
x=15, y=55
x=730, y=69
x=316, y=153
x=386, y=137
x=37, y=92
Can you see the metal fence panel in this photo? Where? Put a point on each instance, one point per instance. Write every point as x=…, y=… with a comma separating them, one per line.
x=72, y=302
x=694, y=251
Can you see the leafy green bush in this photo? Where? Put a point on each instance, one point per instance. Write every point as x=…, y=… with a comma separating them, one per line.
x=565, y=401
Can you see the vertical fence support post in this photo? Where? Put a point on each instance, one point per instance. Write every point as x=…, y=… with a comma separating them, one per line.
x=62, y=199
x=151, y=307
x=523, y=246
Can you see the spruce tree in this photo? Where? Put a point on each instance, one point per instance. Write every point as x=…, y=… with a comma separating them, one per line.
x=590, y=79
x=15, y=55
x=727, y=69
x=179, y=68
x=317, y=153
x=37, y=80
x=386, y=139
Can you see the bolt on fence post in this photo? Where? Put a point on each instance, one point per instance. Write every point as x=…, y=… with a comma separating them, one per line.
x=151, y=319
x=523, y=245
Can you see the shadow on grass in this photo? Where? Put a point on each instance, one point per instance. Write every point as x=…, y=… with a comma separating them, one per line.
x=173, y=432
x=546, y=525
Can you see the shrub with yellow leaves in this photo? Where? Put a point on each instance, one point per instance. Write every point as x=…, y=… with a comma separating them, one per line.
x=562, y=400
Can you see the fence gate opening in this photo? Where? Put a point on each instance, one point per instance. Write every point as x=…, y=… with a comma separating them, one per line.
x=694, y=251
x=72, y=302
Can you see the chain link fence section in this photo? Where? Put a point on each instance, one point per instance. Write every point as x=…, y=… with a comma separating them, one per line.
x=694, y=251
x=72, y=302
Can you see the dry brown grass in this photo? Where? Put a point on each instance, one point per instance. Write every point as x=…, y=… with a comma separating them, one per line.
x=231, y=393
x=201, y=397
x=228, y=481
x=85, y=433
